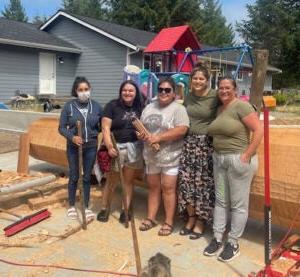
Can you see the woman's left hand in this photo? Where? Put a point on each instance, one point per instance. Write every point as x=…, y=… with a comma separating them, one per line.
x=245, y=158
x=154, y=139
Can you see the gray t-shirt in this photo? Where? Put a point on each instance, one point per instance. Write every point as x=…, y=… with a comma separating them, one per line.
x=157, y=120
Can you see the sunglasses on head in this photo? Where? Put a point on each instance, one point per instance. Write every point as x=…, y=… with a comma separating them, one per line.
x=164, y=90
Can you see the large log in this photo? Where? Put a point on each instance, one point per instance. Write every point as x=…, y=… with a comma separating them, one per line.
x=284, y=175
x=46, y=144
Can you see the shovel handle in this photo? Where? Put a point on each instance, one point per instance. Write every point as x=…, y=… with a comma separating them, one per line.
x=124, y=194
x=80, y=180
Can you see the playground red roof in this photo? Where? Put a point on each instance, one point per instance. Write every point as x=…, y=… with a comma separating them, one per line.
x=174, y=38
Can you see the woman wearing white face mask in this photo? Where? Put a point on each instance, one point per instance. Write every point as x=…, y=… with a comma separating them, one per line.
x=89, y=113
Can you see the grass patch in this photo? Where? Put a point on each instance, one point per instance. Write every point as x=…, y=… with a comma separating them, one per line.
x=294, y=108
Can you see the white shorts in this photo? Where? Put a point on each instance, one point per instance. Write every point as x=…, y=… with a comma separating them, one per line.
x=167, y=170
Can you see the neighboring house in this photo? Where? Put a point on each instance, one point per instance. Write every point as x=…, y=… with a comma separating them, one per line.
x=64, y=47
x=28, y=60
x=45, y=61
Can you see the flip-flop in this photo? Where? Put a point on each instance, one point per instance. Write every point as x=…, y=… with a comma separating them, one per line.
x=165, y=231
x=145, y=227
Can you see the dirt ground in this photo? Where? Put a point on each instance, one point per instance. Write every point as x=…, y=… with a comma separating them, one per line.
x=108, y=246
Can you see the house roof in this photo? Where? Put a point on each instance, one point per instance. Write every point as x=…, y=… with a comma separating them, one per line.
x=28, y=35
x=130, y=37
x=173, y=38
x=231, y=58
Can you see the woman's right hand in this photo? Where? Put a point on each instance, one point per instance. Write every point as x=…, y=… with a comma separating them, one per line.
x=77, y=140
x=141, y=136
x=112, y=152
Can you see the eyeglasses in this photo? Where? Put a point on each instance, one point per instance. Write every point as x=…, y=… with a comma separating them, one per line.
x=164, y=90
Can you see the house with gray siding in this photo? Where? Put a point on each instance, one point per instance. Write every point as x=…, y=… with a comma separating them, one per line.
x=28, y=60
x=44, y=61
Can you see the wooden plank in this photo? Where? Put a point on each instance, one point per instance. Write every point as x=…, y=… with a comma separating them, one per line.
x=23, y=157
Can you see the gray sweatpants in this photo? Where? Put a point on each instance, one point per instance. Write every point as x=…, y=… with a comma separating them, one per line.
x=232, y=187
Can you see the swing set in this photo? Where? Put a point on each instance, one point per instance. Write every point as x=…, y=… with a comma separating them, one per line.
x=174, y=52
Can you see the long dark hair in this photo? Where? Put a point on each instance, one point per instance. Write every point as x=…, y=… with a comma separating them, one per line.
x=78, y=80
x=137, y=102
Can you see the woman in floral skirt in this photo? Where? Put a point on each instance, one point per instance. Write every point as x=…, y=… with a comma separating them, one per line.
x=196, y=196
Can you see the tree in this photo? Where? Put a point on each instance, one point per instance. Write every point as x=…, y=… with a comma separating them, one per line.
x=204, y=16
x=213, y=29
x=39, y=20
x=15, y=11
x=90, y=8
x=275, y=25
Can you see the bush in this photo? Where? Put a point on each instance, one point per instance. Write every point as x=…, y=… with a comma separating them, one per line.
x=281, y=99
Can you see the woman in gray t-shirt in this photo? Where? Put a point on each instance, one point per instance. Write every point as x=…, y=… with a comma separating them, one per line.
x=168, y=122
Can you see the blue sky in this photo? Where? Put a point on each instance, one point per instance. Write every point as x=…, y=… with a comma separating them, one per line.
x=233, y=10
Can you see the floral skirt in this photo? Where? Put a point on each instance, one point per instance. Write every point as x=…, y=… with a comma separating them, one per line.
x=195, y=180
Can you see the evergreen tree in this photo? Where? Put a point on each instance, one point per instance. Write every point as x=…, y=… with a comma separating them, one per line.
x=213, y=29
x=204, y=16
x=15, y=11
x=275, y=25
x=39, y=20
x=90, y=8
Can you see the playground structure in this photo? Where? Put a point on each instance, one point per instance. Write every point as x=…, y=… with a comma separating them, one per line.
x=174, y=52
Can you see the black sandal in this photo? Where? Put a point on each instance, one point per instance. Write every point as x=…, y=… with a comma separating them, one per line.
x=195, y=235
x=122, y=218
x=187, y=231
x=145, y=227
x=103, y=215
x=165, y=231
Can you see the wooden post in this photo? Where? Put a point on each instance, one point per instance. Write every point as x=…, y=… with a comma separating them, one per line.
x=23, y=157
x=258, y=77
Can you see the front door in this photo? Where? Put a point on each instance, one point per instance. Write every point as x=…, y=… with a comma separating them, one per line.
x=47, y=73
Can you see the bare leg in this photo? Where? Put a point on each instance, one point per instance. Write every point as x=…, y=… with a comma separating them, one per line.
x=169, y=196
x=191, y=217
x=154, y=196
x=107, y=193
x=129, y=175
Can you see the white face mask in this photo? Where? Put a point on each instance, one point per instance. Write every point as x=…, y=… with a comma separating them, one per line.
x=84, y=96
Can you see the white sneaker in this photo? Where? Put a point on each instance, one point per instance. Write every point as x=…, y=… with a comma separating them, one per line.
x=72, y=213
x=89, y=214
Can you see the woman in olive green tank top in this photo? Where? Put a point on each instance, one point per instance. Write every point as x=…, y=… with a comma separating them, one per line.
x=196, y=196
